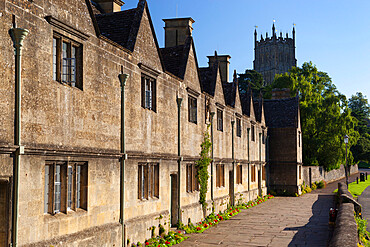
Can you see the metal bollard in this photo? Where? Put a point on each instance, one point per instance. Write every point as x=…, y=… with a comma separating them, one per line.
x=366, y=175
x=357, y=180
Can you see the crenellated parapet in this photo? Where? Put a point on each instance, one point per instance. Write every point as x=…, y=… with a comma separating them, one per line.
x=274, y=55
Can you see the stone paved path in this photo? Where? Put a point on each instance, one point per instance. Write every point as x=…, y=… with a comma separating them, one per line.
x=282, y=221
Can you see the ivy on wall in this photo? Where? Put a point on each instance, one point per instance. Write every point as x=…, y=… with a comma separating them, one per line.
x=202, y=167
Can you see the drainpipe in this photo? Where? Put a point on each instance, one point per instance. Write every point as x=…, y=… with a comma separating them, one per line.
x=17, y=35
x=212, y=162
x=233, y=158
x=260, y=161
x=249, y=165
x=267, y=162
x=179, y=101
x=123, y=79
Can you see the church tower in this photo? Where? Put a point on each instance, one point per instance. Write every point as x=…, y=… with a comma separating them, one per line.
x=274, y=55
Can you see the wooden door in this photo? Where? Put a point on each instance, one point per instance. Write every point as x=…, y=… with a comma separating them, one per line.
x=4, y=213
x=174, y=200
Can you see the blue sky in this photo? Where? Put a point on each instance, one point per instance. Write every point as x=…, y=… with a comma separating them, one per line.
x=333, y=34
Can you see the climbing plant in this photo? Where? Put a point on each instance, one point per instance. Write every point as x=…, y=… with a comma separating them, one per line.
x=202, y=167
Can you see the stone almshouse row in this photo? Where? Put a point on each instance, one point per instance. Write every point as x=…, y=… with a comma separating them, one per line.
x=69, y=190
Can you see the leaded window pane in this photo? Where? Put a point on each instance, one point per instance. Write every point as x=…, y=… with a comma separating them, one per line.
x=55, y=59
x=69, y=187
x=57, y=189
x=65, y=62
x=78, y=185
x=73, y=65
x=46, y=190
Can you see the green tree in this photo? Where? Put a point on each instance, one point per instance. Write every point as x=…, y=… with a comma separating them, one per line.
x=252, y=77
x=361, y=111
x=325, y=115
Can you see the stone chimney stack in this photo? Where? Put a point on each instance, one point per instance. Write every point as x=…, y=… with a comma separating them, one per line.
x=280, y=93
x=177, y=30
x=110, y=6
x=224, y=65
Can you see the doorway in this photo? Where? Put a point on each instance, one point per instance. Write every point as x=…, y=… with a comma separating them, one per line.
x=174, y=200
x=231, y=187
x=259, y=182
x=4, y=213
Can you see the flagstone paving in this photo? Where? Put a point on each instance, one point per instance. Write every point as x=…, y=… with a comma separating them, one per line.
x=278, y=222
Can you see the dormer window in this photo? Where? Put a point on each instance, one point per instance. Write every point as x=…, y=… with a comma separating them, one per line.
x=219, y=120
x=67, y=61
x=238, y=127
x=253, y=134
x=148, y=92
x=192, y=108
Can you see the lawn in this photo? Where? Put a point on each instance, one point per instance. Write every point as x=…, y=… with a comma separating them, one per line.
x=357, y=189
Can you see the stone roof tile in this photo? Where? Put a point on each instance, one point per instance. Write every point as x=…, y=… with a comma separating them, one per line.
x=282, y=113
x=122, y=27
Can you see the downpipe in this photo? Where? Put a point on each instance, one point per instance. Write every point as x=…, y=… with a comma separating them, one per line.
x=17, y=35
x=123, y=79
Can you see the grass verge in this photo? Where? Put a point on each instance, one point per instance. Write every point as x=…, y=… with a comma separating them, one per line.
x=357, y=189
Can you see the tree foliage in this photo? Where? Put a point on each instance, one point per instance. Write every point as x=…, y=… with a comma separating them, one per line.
x=253, y=78
x=202, y=167
x=325, y=115
x=361, y=111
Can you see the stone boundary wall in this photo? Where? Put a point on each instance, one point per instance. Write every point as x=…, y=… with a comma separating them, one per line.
x=318, y=173
x=345, y=231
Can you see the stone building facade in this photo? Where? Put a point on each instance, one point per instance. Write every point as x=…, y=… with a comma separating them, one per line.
x=274, y=55
x=74, y=189
x=284, y=142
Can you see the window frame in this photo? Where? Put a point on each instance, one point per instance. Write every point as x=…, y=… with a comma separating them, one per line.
x=59, y=184
x=148, y=181
x=253, y=133
x=192, y=109
x=239, y=174
x=220, y=119
x=192, y=183
x=58, y=61
x=220, y=175
x=253, y=173
x=151, y=83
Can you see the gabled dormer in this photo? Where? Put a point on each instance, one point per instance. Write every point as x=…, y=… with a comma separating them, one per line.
x=133, y=31
x=179, y=54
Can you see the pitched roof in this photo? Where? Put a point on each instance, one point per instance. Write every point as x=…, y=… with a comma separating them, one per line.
x=245, y=100
x=175, y=58
x=96, y=8
x=257, y=106
x=282, y=113
x=122, y=27
x=208, y=78
x=230, y=93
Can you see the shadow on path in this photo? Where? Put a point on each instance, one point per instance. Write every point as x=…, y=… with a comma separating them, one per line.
x=317, y=231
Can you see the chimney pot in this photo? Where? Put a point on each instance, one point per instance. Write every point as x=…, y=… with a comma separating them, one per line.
x=177, y=30
x=224, y=65
x=280, y=93
x=110, y=6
